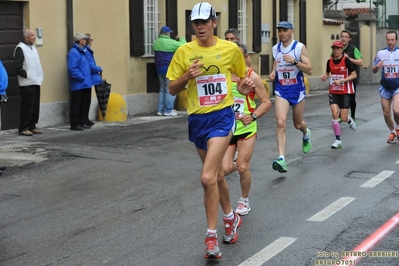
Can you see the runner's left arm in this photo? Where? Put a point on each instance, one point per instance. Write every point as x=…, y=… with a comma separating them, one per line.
x=260, y=91
x=304, y=65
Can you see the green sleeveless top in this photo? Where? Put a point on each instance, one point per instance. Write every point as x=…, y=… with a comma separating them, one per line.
x=244, y=104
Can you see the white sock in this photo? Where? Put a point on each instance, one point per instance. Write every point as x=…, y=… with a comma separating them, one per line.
x=282, y=157
x=306, y=136
x=213, y=232
x=229, y=216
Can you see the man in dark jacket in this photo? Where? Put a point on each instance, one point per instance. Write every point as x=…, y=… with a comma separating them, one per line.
x=79, y=82
x=355, y=57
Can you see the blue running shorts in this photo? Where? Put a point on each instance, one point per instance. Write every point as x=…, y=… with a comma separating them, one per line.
x=292, y=96
x=387, y=94
x=202, y=127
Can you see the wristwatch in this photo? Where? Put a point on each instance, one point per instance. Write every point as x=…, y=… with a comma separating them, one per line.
x=254, y=116
x=295, y=62
x=342, y=81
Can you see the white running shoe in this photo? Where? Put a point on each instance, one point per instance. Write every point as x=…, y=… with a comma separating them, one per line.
x=159, y=113
x=172, y=113
x=243, y=207
x=337, y=144
x=352, y=124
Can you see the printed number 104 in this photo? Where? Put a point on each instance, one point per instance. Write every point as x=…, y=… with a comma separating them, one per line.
x=212, y=88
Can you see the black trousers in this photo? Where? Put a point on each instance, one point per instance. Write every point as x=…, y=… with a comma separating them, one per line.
x=79, y=107
x=353, y=102
x=30, y=107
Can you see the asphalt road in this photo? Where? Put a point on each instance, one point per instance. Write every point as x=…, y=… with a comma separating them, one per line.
x=129, y=193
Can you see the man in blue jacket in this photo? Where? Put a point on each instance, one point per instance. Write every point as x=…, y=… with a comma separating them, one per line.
x=80, y=83
x=3, y=89
x=3, y=83
x=164, y=49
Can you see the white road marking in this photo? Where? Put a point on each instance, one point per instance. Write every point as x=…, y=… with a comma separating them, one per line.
x=268, y=252
x=330, y=210
x=397, y=161
x=377, y=179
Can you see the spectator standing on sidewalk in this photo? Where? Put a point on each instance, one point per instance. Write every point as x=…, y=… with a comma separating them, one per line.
x=3, y=95
x=342, y=75
x=3, y=83
x=388, y=61
x=79, y=82
x=290, y=62
x=205, y=66
x=30, y=77
x=96, y=72
x=354, y=55
x=164, y=49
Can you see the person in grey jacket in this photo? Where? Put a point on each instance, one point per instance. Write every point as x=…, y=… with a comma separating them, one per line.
x=96, y=71
x=30, y=77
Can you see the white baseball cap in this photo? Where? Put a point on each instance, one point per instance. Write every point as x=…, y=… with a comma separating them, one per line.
x=203, y=11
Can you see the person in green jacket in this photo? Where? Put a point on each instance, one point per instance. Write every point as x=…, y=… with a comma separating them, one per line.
x=164, y=49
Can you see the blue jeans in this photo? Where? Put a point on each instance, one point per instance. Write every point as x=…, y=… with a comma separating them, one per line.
x=166, y=101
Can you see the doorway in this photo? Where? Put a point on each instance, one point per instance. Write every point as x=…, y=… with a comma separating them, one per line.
x=11, y=26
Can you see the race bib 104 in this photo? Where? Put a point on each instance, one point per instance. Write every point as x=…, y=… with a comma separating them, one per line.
x=211, y=89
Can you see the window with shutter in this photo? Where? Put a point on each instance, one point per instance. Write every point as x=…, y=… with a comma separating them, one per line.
x=242, y=20
x=257, y=26
x=136, y=27
x=151, y=25
x=144, y=26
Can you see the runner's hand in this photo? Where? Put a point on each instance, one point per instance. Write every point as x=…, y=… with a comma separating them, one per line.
x=245, y=86
x=289, y=59
x=194, y=70
x=380, y=63
x=246, y=119
x=272, y=76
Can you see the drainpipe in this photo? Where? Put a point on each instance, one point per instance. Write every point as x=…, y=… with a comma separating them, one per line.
x=69, y=20
x=274, y=37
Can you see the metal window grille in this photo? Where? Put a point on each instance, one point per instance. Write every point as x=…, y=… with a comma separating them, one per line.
x=150, y=25
x=291, y=11
x=242, y=20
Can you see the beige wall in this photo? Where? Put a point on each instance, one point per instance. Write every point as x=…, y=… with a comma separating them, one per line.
x=108, y=23
x=111, y=40
x=368, y=44
x=50, y=15
x=318, y=37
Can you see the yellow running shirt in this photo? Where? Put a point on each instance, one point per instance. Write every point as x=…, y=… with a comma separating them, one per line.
x=212, y=90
